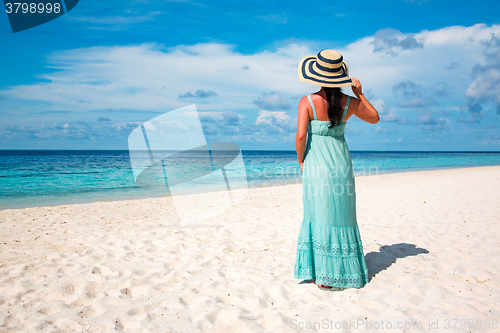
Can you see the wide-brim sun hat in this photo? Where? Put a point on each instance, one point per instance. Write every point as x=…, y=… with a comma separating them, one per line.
x=327, y=69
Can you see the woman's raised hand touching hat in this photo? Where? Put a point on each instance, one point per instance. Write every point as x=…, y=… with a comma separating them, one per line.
x=356, y=88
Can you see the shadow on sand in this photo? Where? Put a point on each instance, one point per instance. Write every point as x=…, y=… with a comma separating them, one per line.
x=387, y=255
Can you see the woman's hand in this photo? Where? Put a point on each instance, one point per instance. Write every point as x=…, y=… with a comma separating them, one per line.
x=356, y=88
x=301, y=166
x=362, y=107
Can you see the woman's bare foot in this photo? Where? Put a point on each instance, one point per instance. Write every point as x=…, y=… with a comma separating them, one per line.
x=328, y=288
x=320, y=286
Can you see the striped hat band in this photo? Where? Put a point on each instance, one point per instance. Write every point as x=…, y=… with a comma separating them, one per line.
x=327, y=69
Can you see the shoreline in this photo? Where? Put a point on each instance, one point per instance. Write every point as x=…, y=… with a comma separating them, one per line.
x=289, y=150
x=87, y=201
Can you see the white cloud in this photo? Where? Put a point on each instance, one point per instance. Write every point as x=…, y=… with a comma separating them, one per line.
x=279, y=117
x=486, y=85
x=275, y=122
x=487, y=142
x=391, y=41
x=272, y=101
x=116, y=20
x=388, y=114
x=151, y=77
x=76, y=131
x=417, y=103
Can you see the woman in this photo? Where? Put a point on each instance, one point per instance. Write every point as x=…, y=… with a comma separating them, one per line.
x=329, y=248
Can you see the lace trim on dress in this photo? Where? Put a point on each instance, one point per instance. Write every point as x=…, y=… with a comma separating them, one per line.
x=351, y=250
x=339, y=281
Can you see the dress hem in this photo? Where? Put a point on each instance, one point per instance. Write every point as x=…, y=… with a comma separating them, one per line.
x=331, y=255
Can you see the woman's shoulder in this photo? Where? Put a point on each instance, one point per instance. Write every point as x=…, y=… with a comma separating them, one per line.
x=304, y=99
x=312, y=96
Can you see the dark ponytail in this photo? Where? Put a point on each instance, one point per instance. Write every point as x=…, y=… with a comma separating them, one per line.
x=333, y=97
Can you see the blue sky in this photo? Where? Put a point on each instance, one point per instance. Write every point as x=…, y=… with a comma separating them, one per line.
x=88, y=78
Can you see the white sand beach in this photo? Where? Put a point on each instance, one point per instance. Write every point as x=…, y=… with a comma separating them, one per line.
x=431, y=241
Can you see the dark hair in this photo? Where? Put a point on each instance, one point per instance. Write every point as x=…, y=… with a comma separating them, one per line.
x=333, y=97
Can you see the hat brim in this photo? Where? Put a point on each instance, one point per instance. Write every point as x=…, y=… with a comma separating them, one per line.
x=308, y=72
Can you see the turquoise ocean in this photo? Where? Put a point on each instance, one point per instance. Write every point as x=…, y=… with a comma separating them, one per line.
x=31, y=178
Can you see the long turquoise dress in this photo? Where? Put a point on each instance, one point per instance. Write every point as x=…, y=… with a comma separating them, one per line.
x=329, y=248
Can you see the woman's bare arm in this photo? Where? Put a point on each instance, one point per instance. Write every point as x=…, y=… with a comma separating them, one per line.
x=362, y=107
x=302, y=122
